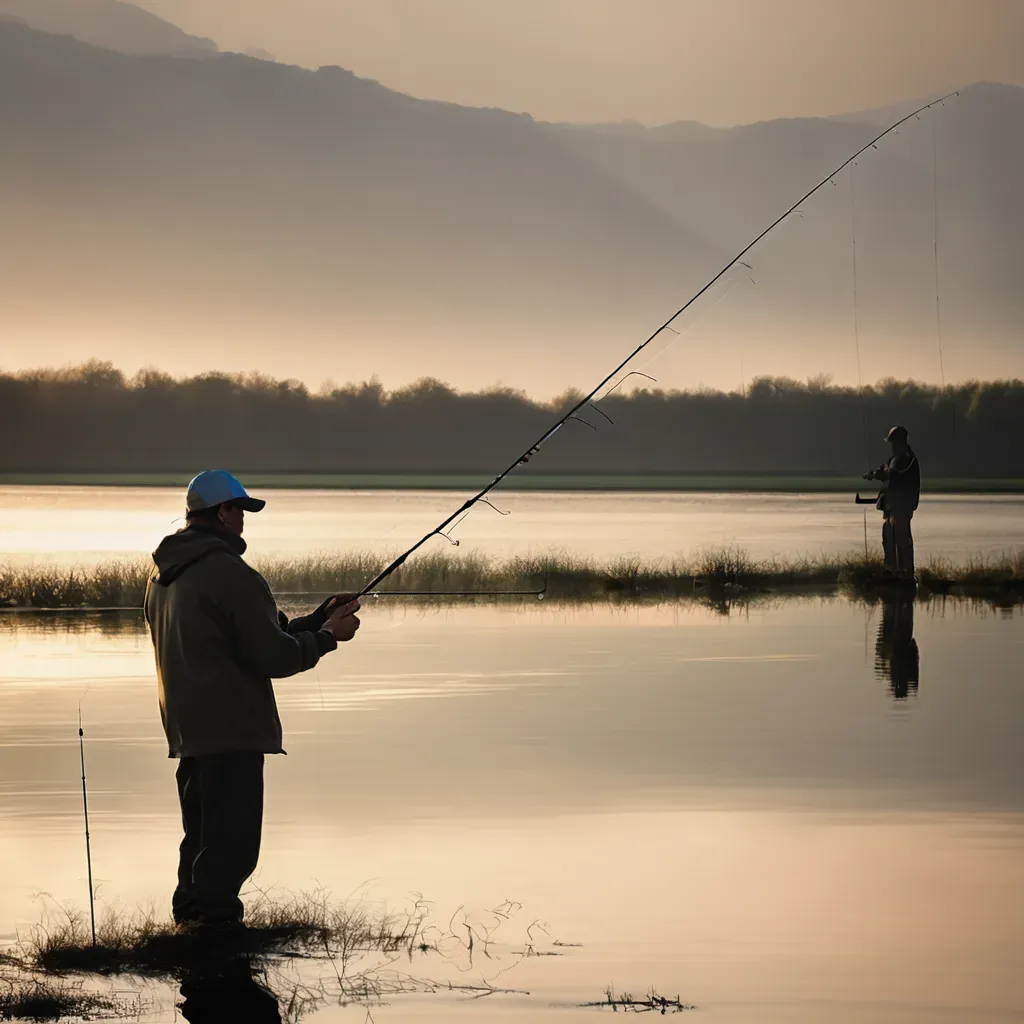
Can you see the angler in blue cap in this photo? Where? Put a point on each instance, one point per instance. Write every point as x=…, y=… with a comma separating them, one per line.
x=897, y=501
x=219, y=640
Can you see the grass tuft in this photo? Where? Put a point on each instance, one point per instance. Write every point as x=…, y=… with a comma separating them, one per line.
x=141, y=943
x=303, y=951
x=62, y=942
x=976, y=574
x=112, y=584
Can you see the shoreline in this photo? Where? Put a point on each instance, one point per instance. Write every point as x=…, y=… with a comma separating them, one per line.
x=717, y=575
x=719, y=596
x=762, y=483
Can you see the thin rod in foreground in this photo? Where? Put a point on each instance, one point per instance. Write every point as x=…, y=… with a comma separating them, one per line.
x=88, y=842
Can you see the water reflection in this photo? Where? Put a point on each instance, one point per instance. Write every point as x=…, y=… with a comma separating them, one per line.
x=73, y=622
x=228, y=989
x=542, y=710
x=835, y=854
x=123, y=623
x=897, y=658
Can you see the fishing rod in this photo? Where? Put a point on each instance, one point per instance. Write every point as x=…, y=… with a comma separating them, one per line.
x=463, y=510
x=85, y=811
x=457, y=593
x=421, y=593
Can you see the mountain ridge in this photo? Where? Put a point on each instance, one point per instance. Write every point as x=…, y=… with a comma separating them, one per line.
x=110, y=24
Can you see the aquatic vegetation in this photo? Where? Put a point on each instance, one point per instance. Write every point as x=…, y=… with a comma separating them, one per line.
x=39, y=998
x=308, y=925
x=975, y=575
x=112, y=584
x=299, y=951
x=721, y=571
x=141, y=943
x=652, y=1002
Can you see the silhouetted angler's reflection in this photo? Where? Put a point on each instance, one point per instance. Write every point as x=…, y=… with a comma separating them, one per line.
x=226, y=990
x=896, y=654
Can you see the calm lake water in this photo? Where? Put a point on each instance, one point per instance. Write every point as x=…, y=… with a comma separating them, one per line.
x=805, y=811
x=87, y=524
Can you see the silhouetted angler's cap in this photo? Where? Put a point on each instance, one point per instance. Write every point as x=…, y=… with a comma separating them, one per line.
x=214, y=487
x=897, y=434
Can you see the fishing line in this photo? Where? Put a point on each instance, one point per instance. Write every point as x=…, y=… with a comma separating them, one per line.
x=856, y=340
x=589, y=396
x=856, y=319
x=935, y=253
x=935, y=269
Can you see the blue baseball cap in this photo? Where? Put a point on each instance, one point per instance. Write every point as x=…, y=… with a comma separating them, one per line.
x=214, y=487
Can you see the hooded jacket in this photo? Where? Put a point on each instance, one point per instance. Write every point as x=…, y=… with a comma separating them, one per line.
x=219, y=640
x=902, y=493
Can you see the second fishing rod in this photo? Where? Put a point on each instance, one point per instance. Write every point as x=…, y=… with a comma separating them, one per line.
x=481, y=495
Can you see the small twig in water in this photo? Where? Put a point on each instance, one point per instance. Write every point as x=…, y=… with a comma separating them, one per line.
x=651, y=1003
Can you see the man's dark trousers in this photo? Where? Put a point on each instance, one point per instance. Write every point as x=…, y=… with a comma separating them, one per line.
x=221, y=798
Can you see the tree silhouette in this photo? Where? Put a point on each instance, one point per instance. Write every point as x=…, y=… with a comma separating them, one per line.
x=92, y=418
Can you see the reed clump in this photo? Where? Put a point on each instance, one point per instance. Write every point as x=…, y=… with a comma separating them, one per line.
x=62, y=943
x=302, y=951
x=121, y=584
x=142, y=943
x=976, y=575
x=112, y=584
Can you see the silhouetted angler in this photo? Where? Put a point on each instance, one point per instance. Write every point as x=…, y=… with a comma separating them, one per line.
x=898, y=500
x=219, y=640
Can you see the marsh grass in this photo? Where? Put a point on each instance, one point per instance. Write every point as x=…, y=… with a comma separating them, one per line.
x=309, y=923
x=306, y=949
x=61, y=943
x=976, y=575
x=121, y=584
x=141, y=943
x=113, y=584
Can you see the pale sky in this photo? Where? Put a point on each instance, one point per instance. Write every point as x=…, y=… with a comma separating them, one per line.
x=718, y=61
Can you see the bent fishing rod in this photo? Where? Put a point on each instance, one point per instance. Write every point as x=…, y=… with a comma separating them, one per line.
x=481, y=496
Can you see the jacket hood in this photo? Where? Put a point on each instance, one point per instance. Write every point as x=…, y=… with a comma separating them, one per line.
x=175, y=553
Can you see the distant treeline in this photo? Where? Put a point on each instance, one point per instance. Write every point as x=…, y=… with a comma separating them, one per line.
x=94, y=419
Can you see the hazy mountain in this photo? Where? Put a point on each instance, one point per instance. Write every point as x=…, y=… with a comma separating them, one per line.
x=237, y=213
x=233, y=200
x=727, y=184
x=108, y=23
